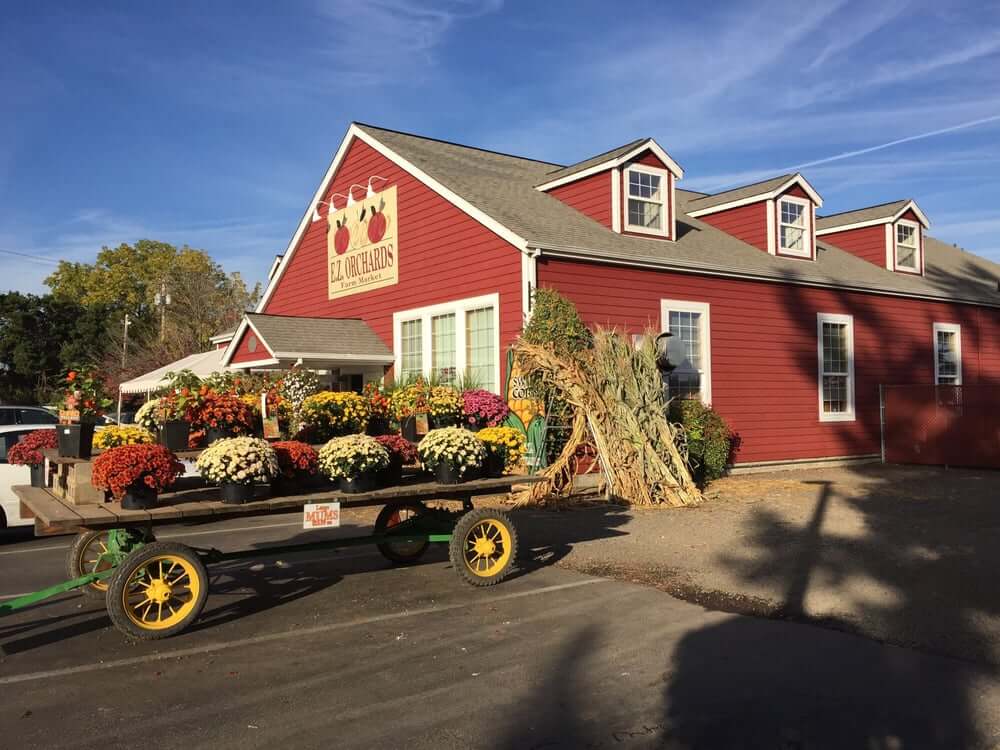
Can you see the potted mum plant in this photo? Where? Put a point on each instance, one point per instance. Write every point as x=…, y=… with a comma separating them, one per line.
x=481, y=408
x=378, y=409
x=297, y=463
x=333, y=413
x=83, y=403
x=136, y=474
x=445, y=406
x=452, y=453
x=117, y=435
x=28, y=452
x=222, y=415
x=353, y=460
x=236, y=464
x=409, y=406
x=401, y=453
x=505, y=447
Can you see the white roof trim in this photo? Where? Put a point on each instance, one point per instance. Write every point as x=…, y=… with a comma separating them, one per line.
x=795, y=179
x=648, y=145
x=908, y=206
x=234, y=344
x=387, y=359
x=354, y=131
x=274, y=266
x=255, y=363
x=692, y=268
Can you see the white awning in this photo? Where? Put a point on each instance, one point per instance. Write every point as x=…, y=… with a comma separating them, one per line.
x=202, y=364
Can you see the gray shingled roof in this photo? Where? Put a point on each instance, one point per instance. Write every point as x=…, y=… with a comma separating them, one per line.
x=871, y=213
x=285, y=334
x=745, y=191
x=592, y=161
x=502, y=187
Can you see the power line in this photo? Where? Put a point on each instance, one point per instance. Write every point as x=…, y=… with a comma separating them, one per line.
x=29, y=256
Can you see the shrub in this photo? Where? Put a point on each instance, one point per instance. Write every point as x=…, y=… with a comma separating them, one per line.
x=333, y=413
x=708, y=438
x=454, y=446
x=239, y=460
x=152, y=465
x=556, y=322
x=483, y=408
x=399, y=447
x=28, y=450
x=116, y=435
x=222, y=410
x=351, y=456
x=505, y=441
x=295, y=458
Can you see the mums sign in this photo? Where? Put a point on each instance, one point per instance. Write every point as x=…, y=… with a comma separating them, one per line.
x=361, y=246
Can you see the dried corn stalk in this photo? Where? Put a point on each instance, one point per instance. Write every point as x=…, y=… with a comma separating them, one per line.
x=616, y=392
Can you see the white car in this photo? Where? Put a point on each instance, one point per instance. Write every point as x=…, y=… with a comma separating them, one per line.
x=10, y=506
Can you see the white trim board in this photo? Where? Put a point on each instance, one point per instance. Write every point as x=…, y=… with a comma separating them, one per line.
x=355, y=131
x=956, y=329
x=234, y=344
x=795, y=179
x=647, y=145
x=459, y=307
x=847, y=320
x=704, y=309
x=664, y=201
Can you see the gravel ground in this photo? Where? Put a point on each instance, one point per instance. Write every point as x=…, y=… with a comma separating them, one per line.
x=906, y=555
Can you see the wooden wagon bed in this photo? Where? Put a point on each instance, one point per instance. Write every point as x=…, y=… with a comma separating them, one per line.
x=55, y=516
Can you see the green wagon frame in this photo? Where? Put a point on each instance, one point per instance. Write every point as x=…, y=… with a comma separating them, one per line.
x=155, y=589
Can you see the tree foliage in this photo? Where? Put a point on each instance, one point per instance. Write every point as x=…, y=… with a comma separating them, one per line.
x=709, y=439
x=556, y=322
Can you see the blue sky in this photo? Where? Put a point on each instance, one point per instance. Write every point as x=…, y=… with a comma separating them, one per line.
x=211, y=123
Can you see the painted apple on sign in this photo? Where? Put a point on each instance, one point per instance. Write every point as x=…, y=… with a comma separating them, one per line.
x=362, y=252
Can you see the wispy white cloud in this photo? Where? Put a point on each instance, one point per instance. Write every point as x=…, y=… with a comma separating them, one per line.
x=855, y=28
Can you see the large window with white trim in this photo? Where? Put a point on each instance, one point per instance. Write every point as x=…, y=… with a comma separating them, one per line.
x=907, y=246
x=450, y=341
x=947, y=354
x=836, y=367
x=646, y=190
x=794, y=227
x=689, y=323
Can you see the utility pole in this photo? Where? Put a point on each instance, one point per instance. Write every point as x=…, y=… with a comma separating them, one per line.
x=128, y=322
x=161, y=299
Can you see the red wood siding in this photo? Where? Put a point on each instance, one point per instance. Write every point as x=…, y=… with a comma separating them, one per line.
x=444, y=255
x=748, y=223
x=243, y=353
x=649, y=159
x=764, y=349
x=590, y=196
x=867, y=243
x=798, y=192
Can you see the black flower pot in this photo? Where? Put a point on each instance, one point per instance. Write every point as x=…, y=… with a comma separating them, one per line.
x=217, y=433
x=408, y=427
x=38, y=474
x=445, y=473
x=392, y=474
x=377, y=426
x=286, y=486
x=355, y=485
x=236, y=494
x=494, y=464
x=75, y=440
x=472, y=426
x=174, y=434
x=139, y=496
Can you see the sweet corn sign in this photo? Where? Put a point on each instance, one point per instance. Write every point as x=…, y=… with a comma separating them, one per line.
x=361, y=246
x=527, y=414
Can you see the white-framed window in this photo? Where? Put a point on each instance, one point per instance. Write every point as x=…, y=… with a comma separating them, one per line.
x=444, y=342
x=689, y=322
x=907, y=245
x=836, y=367
x=795, y=227
x=947, y=354
x=646, y=198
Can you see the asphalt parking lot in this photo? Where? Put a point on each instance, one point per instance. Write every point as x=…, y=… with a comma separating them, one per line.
x=341, y=649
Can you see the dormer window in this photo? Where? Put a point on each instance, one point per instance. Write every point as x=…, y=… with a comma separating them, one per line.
x=647, y=200
x=908, y=246
x=794, y=230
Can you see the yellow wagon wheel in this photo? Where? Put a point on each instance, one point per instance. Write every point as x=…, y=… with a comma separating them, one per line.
x=483, y=546
x=89, y=554
x=158, y=591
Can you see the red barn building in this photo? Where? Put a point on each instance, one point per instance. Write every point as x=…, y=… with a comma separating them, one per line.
x=420, y=256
